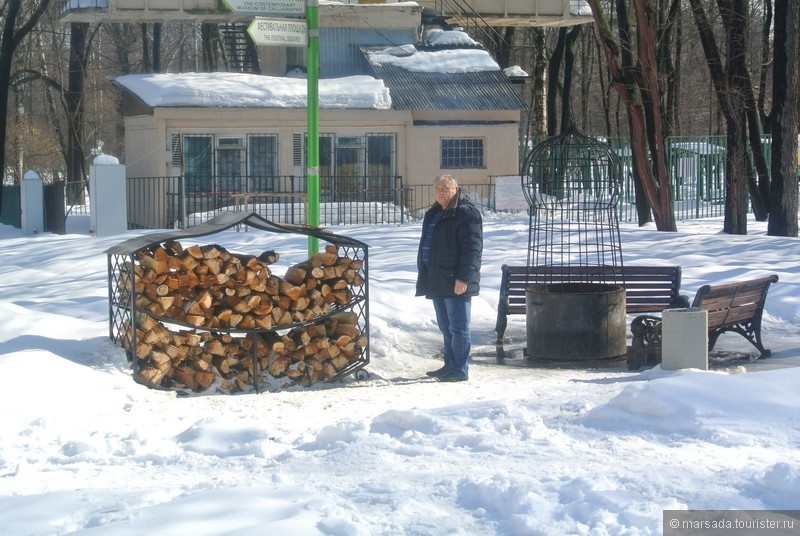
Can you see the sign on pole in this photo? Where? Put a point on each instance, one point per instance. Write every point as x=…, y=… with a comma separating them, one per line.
x=281, y=32
x=268, y=7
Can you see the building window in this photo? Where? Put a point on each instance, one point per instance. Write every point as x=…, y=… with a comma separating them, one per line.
x=262, y=167
x=380, y=155
x=230, y=164
x=263, y=153
x=350, y=155
x=198, y=162
x=460, y=153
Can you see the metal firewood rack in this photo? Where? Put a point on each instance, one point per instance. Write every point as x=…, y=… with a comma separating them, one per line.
x=123, y=309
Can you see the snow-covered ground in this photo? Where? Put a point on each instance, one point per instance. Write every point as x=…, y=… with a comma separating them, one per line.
x=519, y=449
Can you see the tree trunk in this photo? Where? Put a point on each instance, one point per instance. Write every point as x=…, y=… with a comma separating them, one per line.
x=738, y=168
x=76, y=165
x=148, y=67
x=731, y=84
x=49, y=97
x=501, y=45
x=650, y=91
x=736, y=162
x=10, y=39
x=208, y=37
x=766, y=40
x=783, y=200
x=538, y=91
x=637, y=85
x=157, y=47
x=569, y=64
x=587, y=74
x=605, y=92
x=121, y=43
x=668, y=32
x=553, y=70
x=7, y=46
x=758, y=188
x=19, y=126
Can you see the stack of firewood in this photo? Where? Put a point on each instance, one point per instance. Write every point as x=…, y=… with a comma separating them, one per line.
x=209, y=287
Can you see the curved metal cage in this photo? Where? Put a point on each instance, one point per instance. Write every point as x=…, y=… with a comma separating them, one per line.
x=572, y=183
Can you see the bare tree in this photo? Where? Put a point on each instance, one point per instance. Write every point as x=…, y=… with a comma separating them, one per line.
x=783, y=201
x=30, y=143
x=668, y=55
x=734, y=92
x=74, y=98
x=538, y=89
x=636, y=82
x=14, y=30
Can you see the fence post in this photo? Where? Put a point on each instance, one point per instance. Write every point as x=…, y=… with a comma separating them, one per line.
x=32, y=197
x=107, y=196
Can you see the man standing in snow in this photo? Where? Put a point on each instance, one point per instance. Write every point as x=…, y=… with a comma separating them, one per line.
x=449, y=264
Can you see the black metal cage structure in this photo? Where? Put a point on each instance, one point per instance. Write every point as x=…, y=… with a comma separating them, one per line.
x=125, y=313
x=576, y=307
x=572, y=184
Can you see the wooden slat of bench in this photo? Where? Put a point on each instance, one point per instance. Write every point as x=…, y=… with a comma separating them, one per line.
x=734, y=301
x=751, y=292
x=729, y=317
x=753, y=287
x=727, y=302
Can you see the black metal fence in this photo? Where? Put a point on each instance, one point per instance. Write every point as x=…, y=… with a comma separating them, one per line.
x=173, y=202
x=420, y=197
x=164, y=203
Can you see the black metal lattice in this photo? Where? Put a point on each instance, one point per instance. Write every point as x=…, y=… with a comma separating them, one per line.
x=124, y=312
x=572, y=184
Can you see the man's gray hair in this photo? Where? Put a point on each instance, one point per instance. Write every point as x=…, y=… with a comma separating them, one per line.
x=450, y=178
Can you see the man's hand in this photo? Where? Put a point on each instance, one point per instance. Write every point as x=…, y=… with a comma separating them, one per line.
x=460, y=287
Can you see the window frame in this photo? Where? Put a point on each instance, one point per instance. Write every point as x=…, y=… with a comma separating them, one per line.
x=464, y=152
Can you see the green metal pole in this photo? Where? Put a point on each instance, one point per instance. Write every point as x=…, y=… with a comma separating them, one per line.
x=312, y=105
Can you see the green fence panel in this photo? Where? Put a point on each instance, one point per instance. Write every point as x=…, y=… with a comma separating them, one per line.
x=12, y=206
x=696, y=167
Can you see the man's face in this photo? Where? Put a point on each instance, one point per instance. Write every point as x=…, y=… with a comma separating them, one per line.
x=445, y=191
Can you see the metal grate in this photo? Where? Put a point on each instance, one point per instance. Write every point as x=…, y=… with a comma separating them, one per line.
x=125, y=313
x=572, y=184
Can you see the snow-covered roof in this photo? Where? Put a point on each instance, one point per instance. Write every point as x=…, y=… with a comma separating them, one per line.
x=446, y=70
x=440, y=52
x=240, y=90
x=445, y=51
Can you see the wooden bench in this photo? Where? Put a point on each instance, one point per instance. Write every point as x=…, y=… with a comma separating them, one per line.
x=648, y=289
x=735, y=307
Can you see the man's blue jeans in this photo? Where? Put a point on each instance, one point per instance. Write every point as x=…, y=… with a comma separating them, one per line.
x=452, y=316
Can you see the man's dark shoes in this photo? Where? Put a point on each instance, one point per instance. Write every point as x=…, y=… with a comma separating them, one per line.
x=452, y=376
x=438, y=372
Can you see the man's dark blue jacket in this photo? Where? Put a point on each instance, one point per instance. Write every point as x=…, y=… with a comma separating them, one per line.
x=456, y=249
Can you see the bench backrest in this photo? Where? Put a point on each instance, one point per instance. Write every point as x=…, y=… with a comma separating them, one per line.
x=729, y=304
x=648, y=289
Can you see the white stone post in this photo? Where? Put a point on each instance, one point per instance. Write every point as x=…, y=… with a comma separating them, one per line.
x=32, y=198
x=107, y=195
